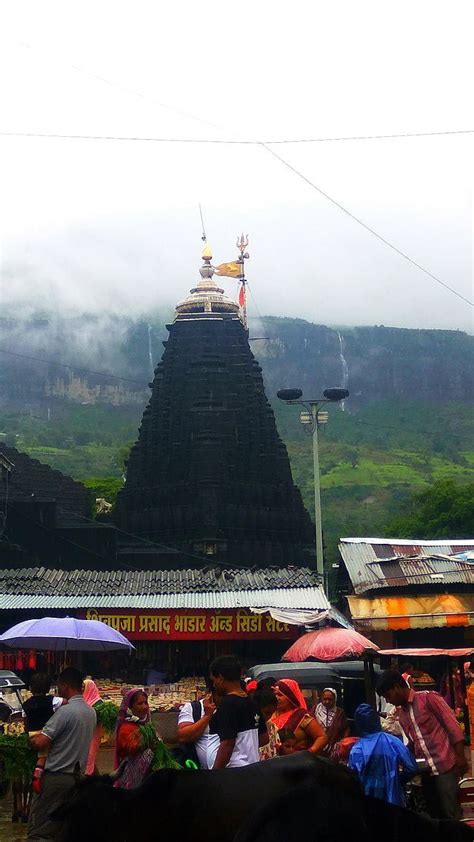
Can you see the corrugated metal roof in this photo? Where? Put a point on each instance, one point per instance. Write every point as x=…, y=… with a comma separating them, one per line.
x=41, y=580
x=387, y=563
x=302, y=598
x=38, y=587
x=410, y=542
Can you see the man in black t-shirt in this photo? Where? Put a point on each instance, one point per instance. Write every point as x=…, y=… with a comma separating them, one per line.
x=41, y=705
x=236, y=730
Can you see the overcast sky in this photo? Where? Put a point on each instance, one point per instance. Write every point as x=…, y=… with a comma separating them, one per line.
x=109, y=224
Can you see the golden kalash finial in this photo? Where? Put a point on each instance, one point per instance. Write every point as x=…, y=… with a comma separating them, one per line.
x=207, y=252
x=207, y=269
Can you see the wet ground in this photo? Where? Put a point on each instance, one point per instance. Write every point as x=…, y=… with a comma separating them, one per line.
x=11, y=832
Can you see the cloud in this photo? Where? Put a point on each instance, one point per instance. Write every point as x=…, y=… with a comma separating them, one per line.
x=114, y=226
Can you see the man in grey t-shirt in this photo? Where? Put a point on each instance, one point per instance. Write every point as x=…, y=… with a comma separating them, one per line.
x=66, y=737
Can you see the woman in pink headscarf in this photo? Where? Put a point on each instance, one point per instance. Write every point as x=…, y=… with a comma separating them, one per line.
x=91, y=695
x=293, y=715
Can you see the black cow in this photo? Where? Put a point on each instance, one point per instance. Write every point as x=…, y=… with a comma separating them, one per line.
x=322, y=814
x=191, y=806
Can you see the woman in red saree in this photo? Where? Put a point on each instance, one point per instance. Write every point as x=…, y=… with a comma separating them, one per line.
x=292, y=713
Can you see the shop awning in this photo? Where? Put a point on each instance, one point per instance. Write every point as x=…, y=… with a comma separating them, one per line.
x=412, y=612
x=424, y=652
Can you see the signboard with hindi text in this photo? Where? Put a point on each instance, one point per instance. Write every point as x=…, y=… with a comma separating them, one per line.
x=231, y=624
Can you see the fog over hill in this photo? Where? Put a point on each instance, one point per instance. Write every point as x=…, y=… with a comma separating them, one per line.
x=375, y=363
x=408, y=421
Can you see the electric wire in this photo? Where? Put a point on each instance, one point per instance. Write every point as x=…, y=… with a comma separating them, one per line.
x=266, y=145
x=369, y=137
x=364, y=225
x=203, y=121
x=159, y=545
x=77, y=368
x=259, y=315
x=61, y=538
x=228, y=141
x=128, y=138
x=89, y=551
x=130, y=91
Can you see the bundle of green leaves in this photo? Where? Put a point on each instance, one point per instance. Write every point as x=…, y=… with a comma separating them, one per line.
x=106, y=713
x=17, y=756
x=162, y=757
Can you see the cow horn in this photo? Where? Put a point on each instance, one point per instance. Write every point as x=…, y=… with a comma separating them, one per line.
x=115, y=776
x=77, y=773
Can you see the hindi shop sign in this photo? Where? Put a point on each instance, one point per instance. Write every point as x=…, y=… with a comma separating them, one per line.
x=232, y=624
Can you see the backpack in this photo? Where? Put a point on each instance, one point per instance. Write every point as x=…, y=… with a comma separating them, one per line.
x=187, y=751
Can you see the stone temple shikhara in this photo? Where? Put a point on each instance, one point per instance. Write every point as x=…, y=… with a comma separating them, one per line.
x=209, y=475
x=209, y=548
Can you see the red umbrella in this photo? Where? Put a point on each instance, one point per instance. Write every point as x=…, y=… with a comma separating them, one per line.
x=329, y=644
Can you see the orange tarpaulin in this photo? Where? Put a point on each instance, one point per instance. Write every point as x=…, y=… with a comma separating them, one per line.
x=413, y=612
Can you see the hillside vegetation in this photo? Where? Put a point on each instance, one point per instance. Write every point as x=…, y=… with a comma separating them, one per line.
x=370, y=461
x=407, y=424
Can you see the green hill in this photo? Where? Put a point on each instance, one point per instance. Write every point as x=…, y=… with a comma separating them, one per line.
x=408, y=421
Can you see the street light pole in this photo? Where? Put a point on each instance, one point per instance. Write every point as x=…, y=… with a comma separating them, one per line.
x=317, y=494
x=310, y=419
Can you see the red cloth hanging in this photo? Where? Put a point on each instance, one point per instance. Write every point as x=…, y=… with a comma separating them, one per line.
x=32, y=659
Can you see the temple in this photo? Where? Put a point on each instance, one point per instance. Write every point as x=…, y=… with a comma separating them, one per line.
x=209, y=478
x=210, y=549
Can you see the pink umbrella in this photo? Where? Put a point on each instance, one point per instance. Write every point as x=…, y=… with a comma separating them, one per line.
x=329, y=644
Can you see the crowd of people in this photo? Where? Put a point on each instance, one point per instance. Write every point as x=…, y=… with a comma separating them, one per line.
x=383, y=751
x=236, y=724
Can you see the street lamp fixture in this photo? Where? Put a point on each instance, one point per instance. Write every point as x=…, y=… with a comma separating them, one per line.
x=312, y=417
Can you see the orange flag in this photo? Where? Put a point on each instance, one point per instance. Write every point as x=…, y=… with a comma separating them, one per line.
x=230, y=270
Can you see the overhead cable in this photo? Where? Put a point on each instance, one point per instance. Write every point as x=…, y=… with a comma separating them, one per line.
x=364, y=225
x=228, y=141
x=76, y=368
x=267, y=146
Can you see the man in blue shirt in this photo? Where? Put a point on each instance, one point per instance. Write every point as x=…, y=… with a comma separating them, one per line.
x=382, y=762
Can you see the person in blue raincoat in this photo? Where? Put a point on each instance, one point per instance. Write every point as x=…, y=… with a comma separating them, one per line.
x=381, y=760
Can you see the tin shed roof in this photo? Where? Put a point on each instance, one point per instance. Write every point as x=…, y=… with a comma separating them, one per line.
x=41, y=588
x=375, y=563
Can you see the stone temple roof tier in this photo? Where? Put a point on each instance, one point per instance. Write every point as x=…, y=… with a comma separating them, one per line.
x=209, y=478
x=207, y=300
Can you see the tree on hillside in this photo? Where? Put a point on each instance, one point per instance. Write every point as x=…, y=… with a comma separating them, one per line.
x=106, y=487
x=445, y=510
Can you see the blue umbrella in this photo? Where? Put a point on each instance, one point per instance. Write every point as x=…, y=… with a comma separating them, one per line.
x=65, y=634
